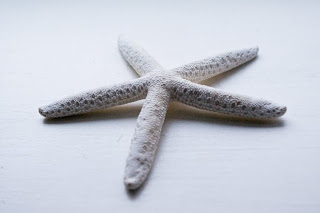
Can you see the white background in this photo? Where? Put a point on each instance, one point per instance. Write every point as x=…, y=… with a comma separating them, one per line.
x=206, y=162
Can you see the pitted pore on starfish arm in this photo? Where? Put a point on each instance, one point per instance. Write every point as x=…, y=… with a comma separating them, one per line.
x=159, y=87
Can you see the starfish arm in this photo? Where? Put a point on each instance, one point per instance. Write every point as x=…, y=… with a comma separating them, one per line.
x=137, y=57
x=209, y=67
x=211, y=99
x=97, y=99
x=146, y=137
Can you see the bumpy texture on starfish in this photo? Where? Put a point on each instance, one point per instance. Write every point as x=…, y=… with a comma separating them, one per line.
x=159, y=87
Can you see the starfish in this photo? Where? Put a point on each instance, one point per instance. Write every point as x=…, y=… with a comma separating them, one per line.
x=159, y=87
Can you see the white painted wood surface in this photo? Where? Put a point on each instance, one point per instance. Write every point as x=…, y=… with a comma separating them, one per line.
x=206, y=162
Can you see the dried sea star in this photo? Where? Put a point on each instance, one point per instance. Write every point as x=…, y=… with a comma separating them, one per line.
x=160, y=86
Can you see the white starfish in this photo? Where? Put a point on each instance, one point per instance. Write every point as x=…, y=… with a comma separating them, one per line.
x=160, y=86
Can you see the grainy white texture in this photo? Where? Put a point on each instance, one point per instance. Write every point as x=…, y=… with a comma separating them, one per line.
x=161, y=85
x=205, y=162
x=146, y=137
x=104, y=97
x=138, y=58
x=207, y=98
x=209, y=67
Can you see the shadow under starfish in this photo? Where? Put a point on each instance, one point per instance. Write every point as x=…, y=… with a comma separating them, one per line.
x=160, y=87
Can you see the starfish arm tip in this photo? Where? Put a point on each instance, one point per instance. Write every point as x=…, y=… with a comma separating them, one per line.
x=46, y=111
x=42, y=111
x=136, y=172
x=272, y=110
x=255, y=50
x=282, y=111
x=131, y=183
